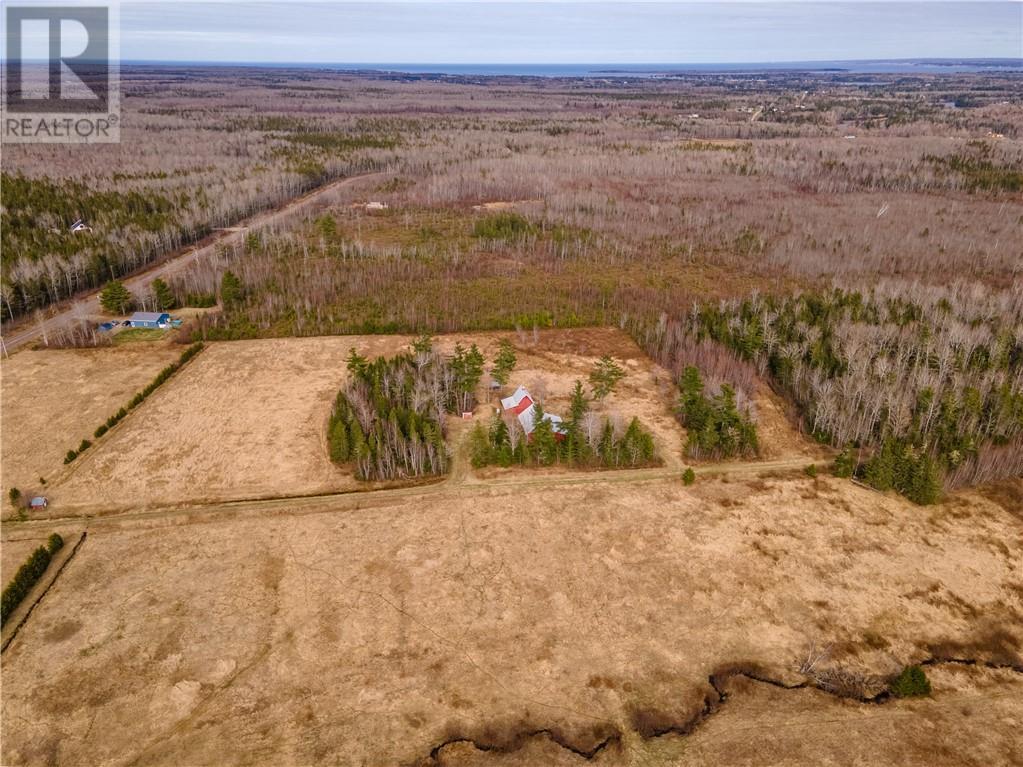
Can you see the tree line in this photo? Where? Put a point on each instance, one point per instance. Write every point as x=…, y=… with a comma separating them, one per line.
x=921, y=390
x=28, y=575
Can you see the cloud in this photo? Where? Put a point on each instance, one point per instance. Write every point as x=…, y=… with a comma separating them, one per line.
x=568, y=31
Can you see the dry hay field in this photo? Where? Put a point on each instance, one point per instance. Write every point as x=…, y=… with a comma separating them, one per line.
x=410, y=627
x=244, y=419
x=53, y=399
x=247, y=419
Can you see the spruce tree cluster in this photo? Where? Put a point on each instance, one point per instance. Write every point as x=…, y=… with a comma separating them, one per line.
x=715, y=426
x=897, y=465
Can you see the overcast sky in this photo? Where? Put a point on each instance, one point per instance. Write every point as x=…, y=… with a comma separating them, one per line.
x=566, y=32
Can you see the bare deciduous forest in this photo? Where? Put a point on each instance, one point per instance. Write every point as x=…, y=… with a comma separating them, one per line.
x=854, y=239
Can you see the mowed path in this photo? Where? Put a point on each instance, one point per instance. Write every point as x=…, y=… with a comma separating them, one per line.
x=28, y=329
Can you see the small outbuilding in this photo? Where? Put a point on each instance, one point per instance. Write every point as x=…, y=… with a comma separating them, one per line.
x=520, y=404
x=150, y=320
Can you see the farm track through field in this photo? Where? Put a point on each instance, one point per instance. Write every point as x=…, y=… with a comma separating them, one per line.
x=28, y=329
x=457, y=484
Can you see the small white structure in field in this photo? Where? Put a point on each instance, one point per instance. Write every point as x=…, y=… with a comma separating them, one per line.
x=80, y=226
x=376, y=205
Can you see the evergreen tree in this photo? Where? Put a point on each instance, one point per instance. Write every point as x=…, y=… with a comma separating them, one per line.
x=499, y=432
x=357, y=364
x=480, y=452
x=923, y=484
x=327, y=226
x=579, y=406
x=880, y=470
x=339, y=448
x=230, y=289
x=163, y=295
x=605, y=376
x=115, y=298
x=504, y=362
x=606, y=449
x=693, y=405
x=543, y=442
x=715, y=427
x=912, y=682
x=467, y=367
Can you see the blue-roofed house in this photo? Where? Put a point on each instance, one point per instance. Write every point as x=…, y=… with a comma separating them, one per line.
x=150, y=320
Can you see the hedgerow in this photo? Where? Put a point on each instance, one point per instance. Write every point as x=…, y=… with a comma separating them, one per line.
x=28, y=575
x=137, y=400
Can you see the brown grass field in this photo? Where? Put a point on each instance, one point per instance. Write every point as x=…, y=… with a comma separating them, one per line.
x=511, y=617
x=248, y=419
x=373, y=631
x=52, y=400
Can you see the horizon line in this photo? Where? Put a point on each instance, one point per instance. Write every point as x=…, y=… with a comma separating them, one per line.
x=950, y=60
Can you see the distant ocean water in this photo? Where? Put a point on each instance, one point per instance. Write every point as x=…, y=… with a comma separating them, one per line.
x=901, y=66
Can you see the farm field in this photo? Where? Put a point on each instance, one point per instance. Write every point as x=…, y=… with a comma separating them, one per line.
x=248, y=419
x=375, y=629
x=242, y=420
x=54, y=399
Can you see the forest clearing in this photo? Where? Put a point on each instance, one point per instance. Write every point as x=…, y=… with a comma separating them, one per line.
x=206, y=436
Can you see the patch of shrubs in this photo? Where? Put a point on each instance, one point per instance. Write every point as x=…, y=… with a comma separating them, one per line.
x=503, y=226
x=688, y=476
x=911, y=683
x=28, y=575
x=137, y=400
